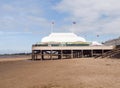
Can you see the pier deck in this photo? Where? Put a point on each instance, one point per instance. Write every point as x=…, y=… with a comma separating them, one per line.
x=60, y=52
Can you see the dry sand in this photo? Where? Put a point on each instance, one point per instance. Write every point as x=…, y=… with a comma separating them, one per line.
x=14, y=58
x=67, y=73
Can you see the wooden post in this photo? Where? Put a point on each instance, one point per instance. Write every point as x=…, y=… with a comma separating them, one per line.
x=71, y=53
x=36, y=56
x=51, y=55
x=102, y=52
x=91, y=53
x=42, y=55
x=79, y=54
x=61, y=54
x=82, y=53
x=33, y=57
x=75, y=54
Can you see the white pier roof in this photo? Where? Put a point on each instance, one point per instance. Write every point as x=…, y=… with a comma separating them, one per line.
x=63, y=37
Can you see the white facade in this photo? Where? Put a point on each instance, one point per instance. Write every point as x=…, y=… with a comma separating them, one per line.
x=63, y=37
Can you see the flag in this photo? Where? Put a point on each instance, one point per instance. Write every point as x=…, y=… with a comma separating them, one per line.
x=97, y=35
x=74, y=22
x=53, y=22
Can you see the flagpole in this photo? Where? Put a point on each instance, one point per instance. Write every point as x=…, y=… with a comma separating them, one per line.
x=73, y=23
x=52, y=26
x=97, y=37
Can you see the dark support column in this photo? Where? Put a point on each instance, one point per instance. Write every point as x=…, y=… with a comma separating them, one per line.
x=91, y=53
x=51, y=54
x=61, y=54
x=36, y=56
x=33, y=56
x=78, y=54
x=42, y=54
x=82, y=53
x=102, y=52
x=71, y=53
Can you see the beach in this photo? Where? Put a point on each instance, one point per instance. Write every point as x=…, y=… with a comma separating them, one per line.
x=65, y=73
x=6, y=58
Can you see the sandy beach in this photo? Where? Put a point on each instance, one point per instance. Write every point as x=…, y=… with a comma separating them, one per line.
x=66, y=73
x=14, y=58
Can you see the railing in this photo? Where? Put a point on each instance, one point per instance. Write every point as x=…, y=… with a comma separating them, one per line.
x=66, y=44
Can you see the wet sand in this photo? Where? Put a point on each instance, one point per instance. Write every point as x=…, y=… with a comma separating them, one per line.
x=66, y=73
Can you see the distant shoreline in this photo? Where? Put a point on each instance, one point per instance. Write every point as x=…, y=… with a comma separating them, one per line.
x=14, y=57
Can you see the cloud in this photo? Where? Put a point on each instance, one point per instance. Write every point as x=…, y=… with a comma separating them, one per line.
x=18, y=15
x=92, y=15
x=112, y=27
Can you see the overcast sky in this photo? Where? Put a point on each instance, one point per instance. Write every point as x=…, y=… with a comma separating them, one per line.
x=25, y=22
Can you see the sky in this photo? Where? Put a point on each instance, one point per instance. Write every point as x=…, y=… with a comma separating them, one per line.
x=25, y=22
